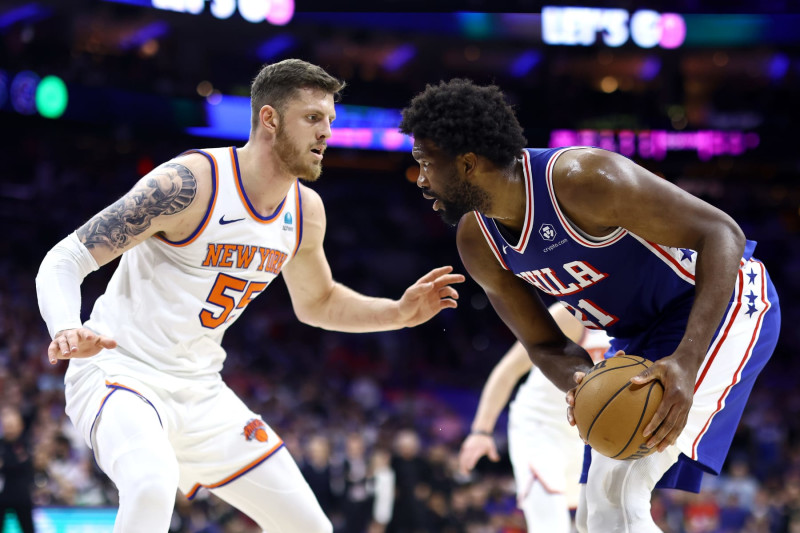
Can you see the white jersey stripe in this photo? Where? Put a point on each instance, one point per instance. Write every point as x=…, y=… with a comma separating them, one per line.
x=608, y=240
x=672, y=262
x=490, y=240
x=739, y=336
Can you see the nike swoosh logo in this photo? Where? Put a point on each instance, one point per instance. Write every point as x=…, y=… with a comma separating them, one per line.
x=223, y=221
x=504, y=248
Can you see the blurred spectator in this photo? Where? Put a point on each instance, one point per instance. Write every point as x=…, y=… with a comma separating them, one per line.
x=357, y=499
x=383, y=488
x=412, y=485
x=16, y=470
x=316, y=468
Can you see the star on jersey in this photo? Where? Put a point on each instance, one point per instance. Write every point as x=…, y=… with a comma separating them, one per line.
x=752, y=275
x=687, y=254
x=750, y=310
x=752, y=297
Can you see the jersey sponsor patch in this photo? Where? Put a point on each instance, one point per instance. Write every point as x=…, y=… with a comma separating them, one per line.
x=255, y=429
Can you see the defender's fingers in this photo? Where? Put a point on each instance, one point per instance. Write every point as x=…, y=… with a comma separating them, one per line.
x=435, y=273
x=449, y=279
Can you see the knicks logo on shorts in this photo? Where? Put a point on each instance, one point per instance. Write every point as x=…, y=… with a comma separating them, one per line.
x=255, y=429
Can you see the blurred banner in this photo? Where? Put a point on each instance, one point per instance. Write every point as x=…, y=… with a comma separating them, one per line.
x=66, y=520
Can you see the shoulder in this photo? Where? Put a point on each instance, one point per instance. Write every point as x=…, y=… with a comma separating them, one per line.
x=313, y=207
x=475, y=253
x=193, y=165
x=582, y=167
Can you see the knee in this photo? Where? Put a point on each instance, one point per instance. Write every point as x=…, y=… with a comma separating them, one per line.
x=314, y=523
x=147, y=483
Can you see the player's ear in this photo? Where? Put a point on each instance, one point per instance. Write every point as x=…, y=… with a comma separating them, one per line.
x=268, y=117
x=468, y=163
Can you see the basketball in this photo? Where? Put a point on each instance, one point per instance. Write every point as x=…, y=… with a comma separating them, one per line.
x=611, y=412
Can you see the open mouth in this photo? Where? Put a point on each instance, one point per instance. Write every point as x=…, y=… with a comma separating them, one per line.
x=318, y=152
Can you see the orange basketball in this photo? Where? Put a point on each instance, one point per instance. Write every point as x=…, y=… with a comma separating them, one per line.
x=611, y=412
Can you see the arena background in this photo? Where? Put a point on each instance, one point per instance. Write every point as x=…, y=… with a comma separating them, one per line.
x=93, y=94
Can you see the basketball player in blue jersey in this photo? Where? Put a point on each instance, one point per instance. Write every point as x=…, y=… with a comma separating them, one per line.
x=200, y=237
x=670, y=277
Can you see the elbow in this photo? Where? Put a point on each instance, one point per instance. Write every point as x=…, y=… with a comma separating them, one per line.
x=735, y=236
x=306, y=316
x=740, y=239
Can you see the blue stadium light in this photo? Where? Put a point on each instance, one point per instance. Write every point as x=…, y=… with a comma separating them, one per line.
x=525, y=62
x=399, y=57
x=24, y=13
x=274, y=47
x=23, y=92
x=363, y=127
x=650, y=68
x=151, y=31
x=779, y=66
x=3, y=88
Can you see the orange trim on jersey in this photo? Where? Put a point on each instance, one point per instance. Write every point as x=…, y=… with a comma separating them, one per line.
x=299, y=211
x=242, y=471
x=534, y=478
x=237, y=179
x=214, y=193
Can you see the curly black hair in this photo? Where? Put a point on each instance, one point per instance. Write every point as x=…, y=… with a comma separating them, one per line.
x=460, y=117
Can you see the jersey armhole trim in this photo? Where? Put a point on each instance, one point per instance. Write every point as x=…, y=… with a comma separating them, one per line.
x=490, y=240
x=214, y=188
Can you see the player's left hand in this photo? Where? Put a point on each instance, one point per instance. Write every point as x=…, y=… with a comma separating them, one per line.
x=673, y=411
x=475, y=446
x=429, y=295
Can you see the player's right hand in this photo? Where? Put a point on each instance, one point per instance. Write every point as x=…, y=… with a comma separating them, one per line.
x=76, y=344
x=474, y=447
x=577, y=377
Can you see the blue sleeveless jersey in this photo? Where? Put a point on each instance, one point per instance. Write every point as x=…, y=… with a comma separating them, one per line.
x=641, y=293
x=621, y=283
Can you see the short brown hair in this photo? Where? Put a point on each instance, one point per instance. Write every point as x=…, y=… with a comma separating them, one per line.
x=276, y=83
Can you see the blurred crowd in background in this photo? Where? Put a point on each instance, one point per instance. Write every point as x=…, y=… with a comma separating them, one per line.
x=375, y=420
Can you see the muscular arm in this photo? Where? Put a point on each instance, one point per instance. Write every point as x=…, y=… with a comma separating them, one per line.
x=601, y=190
x=145, y=210
x=319, y=300
x=165, y=200
x=521, y=309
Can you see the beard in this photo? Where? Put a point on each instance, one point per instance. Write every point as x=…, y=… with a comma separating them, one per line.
x=461, y=198
x=294, y=159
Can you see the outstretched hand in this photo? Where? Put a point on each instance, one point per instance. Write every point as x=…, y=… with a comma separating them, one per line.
x=430, y=294
x=77, y=344
x=475, y=446
x=673, y=411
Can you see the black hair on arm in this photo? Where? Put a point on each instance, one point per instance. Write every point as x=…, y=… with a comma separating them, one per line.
x=459, y=117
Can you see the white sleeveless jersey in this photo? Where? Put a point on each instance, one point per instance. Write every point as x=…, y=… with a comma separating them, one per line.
x=169, y=303
x=538, y=399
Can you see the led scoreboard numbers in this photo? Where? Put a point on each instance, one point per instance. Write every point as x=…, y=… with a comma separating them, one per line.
x=580, y=26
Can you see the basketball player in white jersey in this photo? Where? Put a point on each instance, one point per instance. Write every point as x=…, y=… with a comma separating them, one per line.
x=200, y=237
x=546, y=452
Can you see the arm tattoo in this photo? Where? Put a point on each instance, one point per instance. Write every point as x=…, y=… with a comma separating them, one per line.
x=168, y=190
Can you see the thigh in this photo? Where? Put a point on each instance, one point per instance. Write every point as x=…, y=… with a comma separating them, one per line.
x=220, y=440
x=546, y=453
x=277, y=497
